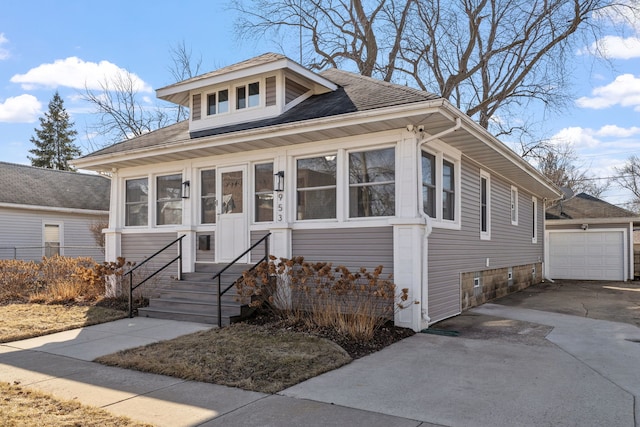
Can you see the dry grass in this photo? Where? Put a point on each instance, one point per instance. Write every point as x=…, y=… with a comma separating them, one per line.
x=20, y=406
x=21, y=321
x=250, y=357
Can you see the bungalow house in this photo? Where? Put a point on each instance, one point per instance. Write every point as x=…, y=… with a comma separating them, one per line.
x=589, y=239
x=45, y=212
x=337, y=167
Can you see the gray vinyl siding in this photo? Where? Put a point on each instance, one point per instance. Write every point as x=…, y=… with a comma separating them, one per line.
x=138, y=247
x=21, y=234
x=258, y=252
x=452, y=252
x=270, y=91
x=196, y=107
x=293, y=90
x=204, y=255
x=352, y=247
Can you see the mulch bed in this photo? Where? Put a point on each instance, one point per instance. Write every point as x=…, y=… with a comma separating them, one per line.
x=385, y=336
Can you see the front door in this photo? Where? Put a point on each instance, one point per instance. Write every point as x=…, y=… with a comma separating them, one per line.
x=232, y=235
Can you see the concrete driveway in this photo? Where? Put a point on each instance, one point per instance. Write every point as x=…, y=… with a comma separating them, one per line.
x=557, y=354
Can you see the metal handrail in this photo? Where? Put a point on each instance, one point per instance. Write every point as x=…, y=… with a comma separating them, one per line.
x=218, y=275
x=130, y=272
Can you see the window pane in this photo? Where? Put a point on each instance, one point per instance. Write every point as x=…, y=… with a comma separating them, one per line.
x=372, y=187
x=264, y=192
x=448, y=190
x=483, y=204
x=232, y=196
x=51, y=240
x=316, y=172
x=254, y=94
x=169, y=199
x=429, y=184
x=223, y=101
x=241, y=97
x=208, y=196
x=317, y=204
x=211, y=104
x=374, y=200
x=136, y=205
x=316, y=184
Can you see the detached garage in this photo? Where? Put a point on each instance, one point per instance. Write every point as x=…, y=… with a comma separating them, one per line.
x=589, y=239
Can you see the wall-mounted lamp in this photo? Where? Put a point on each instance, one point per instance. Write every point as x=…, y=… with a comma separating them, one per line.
x=186, y=189
x=585, y=227
x=278, y=181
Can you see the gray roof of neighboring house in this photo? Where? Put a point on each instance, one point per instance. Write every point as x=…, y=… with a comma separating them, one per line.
x=355, y=93
x=584, y=206
x=27, y=185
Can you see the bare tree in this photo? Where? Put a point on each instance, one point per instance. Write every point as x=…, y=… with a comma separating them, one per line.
x=628, y=177
x=559, y=164
x=184, y=67
x=121, y=116
x=488, y=57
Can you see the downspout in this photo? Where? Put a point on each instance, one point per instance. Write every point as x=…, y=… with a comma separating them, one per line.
x=428, y=228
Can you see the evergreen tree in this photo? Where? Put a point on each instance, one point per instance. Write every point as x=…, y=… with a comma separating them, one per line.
x=54, y=140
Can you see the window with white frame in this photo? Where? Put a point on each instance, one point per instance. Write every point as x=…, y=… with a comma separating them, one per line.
x=372, y=183
x=485, y=206
x=248, y=96
x=51, y=240
x=534, y=222
x=169, y=199
x=218, y=102
x=316, y=187
x=208, y=199
x=136, y=202
x=263, y=187
x=440, y=175
x=514, y=205
x=429, y=184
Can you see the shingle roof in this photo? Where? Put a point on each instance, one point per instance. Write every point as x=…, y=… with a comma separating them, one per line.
x=355, y=93
x=26, y=185
x=584, y=206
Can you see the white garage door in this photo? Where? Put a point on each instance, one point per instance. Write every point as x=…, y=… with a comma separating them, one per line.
x=586, y=255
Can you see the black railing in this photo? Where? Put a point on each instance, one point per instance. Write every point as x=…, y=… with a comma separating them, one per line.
x=218, y=275
x=130, y=272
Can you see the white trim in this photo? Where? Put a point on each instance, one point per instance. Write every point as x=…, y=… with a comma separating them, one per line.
x=513, y=205
x=534, y=234
x=53, y=209
x=485, y=235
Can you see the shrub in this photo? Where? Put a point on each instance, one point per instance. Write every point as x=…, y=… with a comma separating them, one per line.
x=18, y=279
x=355, y=304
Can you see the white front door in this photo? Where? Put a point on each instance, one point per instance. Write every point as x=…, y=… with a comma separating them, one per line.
x=232, y=230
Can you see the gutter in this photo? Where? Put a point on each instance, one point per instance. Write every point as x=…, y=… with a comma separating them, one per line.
x=54, y=209
x=424, y=297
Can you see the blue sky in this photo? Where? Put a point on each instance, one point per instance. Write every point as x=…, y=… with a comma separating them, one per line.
x=47, y=46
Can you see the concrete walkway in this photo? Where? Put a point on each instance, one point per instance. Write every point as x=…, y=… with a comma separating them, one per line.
x=585, y=374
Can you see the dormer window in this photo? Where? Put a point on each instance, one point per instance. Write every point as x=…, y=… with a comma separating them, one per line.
x=248, y=96
x=218, y=102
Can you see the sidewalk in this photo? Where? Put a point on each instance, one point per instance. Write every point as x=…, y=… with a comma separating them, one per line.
x=584, y=374
x=60, y=364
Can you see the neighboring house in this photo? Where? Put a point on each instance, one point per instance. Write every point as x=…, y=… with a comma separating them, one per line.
x=589, y=239
x=369, y=173
x=44, y=212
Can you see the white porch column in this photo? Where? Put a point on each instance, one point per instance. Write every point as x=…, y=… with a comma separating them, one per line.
x=280, y=243
x=188, y=249
x=407, y=270
x=112, y=242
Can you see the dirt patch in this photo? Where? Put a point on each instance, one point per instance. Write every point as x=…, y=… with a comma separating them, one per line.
x=613, y=301
x=483, y=327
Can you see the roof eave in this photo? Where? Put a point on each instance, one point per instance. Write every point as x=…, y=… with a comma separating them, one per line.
x=634, y=220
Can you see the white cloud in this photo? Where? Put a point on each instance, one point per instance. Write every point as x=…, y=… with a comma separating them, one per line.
x=615, y=131
x=4, y=53
x=75, y=73
x=575, y=136
x=614, y=47
x=623, y=91
x=20, y=109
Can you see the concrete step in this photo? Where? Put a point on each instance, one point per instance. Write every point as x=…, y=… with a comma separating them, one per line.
x=205, y=295
x=184, y=316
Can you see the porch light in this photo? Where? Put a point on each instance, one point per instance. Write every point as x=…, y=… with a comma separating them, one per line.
x=278, y=181
x=186, y=189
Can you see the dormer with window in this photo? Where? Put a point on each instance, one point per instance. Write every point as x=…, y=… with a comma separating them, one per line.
x=260, y=88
